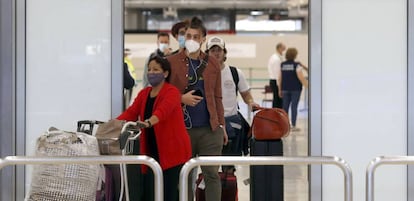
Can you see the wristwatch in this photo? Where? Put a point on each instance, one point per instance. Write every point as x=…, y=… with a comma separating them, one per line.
x=149, y=123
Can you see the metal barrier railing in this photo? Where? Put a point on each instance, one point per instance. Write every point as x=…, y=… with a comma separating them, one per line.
x=382, y=160
x=150, y=162
x=264, y=160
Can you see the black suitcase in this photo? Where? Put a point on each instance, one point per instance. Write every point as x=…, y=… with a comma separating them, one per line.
x=266, y=181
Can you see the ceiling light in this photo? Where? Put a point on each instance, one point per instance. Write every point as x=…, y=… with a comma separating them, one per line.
x=256, y=12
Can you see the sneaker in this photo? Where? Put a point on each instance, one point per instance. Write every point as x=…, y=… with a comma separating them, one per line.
x=294, y=129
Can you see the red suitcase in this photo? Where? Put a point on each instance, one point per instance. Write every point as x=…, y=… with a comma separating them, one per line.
x=228, y=187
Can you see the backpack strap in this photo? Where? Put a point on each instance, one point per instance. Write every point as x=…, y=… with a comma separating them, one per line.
x=235, y=76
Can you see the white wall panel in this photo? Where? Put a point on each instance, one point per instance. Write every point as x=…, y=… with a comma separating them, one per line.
x=68, y=71
x=364, y=92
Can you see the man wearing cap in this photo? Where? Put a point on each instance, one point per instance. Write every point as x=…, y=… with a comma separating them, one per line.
x=216, y=48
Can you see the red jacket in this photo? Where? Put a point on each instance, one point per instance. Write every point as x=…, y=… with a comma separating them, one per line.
x=173, y=141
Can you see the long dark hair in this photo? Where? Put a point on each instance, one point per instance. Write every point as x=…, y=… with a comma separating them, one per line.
x=164, y=63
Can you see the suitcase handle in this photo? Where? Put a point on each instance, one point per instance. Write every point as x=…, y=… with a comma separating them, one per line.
x=91, y=123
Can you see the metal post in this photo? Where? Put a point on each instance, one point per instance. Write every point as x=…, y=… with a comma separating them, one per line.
x=382, y=160
x=34, y=160
x=264, y=160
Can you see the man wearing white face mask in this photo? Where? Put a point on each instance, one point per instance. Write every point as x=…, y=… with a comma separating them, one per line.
x=163, y=43
x=198, y=77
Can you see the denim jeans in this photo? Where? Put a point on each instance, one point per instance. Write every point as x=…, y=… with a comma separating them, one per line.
x=291, y=99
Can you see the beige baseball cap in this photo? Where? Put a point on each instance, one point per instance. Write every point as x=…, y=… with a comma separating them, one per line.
x=215, y=40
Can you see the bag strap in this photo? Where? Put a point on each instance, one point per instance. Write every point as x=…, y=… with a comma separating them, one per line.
x=250, y=133
x=235, y=76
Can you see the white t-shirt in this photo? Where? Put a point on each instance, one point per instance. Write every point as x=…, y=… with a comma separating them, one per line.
x=229, y=90
x=273, y=66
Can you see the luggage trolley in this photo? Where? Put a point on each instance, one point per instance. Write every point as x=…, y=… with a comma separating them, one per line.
x=129, y=135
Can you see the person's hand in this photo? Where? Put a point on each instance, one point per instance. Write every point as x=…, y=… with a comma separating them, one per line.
x=167, y=51
x=253, y=105
x=303, y=66
x=280, y=93
x=190, y=99
x=141, y=124
x=225, y=136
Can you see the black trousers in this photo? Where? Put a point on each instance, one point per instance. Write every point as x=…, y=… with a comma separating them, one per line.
x=277, y=101
x=171, y=179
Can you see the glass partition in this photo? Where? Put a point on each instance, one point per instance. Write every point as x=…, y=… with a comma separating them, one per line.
x=68, y=65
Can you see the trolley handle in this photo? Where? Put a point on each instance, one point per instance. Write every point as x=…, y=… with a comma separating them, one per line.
x=134, y=127
x=128, y=129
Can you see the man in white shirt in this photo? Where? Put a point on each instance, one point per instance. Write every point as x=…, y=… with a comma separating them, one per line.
x=273, y=67
x=216, y=48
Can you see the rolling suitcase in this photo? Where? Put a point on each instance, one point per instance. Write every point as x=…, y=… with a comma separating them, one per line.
x=228, y=187
x=266, y=181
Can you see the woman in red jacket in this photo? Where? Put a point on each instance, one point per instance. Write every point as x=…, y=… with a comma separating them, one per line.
x=164, y=137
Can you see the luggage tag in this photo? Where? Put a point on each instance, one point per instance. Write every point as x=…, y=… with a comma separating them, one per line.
x=202, y=184
x=235, y=125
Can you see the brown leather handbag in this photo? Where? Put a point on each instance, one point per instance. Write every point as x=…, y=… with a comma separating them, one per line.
x=270, y=124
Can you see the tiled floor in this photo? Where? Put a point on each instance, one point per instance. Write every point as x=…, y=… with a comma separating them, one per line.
x=296, y=176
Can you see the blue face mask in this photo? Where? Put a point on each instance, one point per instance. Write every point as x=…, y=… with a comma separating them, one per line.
x=155, y=78
x=181, y=41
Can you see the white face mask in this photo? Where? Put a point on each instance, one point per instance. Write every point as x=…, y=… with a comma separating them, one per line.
x=192, y=46
x=163, y=46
